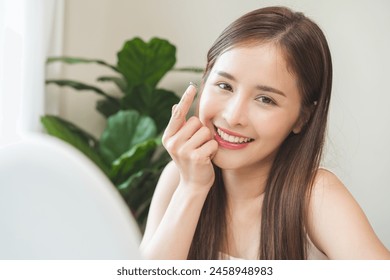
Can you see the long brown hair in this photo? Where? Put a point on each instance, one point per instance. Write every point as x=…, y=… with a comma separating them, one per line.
x=288, y=187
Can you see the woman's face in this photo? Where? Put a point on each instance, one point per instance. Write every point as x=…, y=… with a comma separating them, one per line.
x=251, y=103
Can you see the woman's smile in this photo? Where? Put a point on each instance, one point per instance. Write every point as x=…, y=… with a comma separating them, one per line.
x=231, y=140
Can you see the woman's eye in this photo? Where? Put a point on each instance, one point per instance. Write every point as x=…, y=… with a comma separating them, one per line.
x=266, y=100
x=225, y=86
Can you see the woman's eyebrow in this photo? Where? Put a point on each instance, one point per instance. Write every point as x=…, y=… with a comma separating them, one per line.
x=226, y=75
x=259, y=87
x=270, y=89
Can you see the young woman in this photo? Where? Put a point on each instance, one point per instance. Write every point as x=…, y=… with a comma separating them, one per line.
x=245, y=180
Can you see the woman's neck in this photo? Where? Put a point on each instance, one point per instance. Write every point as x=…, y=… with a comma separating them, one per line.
x=243, y=185
x=244, y=194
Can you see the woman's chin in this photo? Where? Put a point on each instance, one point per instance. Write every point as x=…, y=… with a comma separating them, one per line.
x=223, y=162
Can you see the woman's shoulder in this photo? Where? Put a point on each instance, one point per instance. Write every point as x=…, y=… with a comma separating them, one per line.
x=334, y=217
x=326, y=180
x=327, y=188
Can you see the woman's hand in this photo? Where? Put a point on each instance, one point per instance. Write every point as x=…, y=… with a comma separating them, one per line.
x=190, y=144
x=183, y=185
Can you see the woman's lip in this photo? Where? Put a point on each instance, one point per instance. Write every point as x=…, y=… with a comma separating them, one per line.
x=231, y=132
x=228, y=145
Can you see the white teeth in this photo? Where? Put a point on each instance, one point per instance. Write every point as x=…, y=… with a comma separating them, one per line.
x=231, y=138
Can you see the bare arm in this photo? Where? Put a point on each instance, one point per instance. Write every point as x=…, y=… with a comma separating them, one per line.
x=172, y=219
x=183, y=186
x=337, y=224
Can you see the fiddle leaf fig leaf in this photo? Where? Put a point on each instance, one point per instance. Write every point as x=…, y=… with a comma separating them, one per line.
x=107, y=107
x=124, y=130
x=125, y=187
x=75, y=136
x=189, y=69
x=146, y=63
x=119, y=81
x=156, y=103
x=79, y=60
x=134, y=160
x=80, y=86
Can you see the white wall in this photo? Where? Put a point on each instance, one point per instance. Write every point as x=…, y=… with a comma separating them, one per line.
x=359, y=37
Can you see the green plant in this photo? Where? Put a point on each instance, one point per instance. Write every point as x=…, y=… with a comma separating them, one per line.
x=128, y=150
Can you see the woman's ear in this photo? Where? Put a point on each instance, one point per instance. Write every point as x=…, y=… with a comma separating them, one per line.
x=304, y=118
x=301, y=122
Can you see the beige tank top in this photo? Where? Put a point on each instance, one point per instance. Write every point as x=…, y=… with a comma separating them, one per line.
x=312, y=253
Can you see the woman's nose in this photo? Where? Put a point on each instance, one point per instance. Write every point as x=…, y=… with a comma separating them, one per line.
x=235, y=111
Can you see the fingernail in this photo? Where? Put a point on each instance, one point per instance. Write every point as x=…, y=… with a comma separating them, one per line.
x=196, y=88
x=193, y=84
x=188, y=89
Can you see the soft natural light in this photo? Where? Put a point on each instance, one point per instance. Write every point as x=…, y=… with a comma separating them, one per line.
x=12, y=38
x=22, y=67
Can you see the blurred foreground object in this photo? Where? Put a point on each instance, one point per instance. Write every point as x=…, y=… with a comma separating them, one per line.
x=56, y=204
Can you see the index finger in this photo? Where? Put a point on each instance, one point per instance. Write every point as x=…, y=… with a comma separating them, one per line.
x=180, y=111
